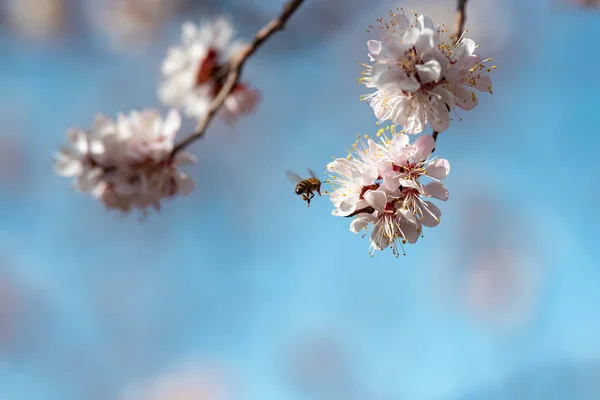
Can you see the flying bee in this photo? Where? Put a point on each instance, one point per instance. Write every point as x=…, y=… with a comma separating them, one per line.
x=306, y=187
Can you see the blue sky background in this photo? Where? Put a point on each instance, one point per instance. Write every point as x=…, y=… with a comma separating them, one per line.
x=498, y=302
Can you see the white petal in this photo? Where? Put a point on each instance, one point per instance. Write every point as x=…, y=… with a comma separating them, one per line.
x=400, y=140
x=465, y=48
x=439, y=169
x=176, y=60
x=431, y=71
x=438, y=116
x=376, y=199
x=348, y=205
x=468, y=62
x=391, y=181
x=465, y=98
x=416, y=117
x=379, y=240
x=409, y=84
x=97, y=147
x=99, y=190
x=78, y=140
x=426, y=42
x=402, y=21
x=223, y=32
x=483, y=83
x=374, y=47
x=185, y=185
x=404, y=213
x=88, y=180
x=410, y=37
x=241, y=101
x=425, y=22
x=361, y=222
x=385, y=76
x=68, y=167
x=368, y=175
x=431, y=218
x=425, y=145
x=410, y=230
x=408, y=183
x=188, y=32
x=437, y=190
x=172, y=124
x=446, y=96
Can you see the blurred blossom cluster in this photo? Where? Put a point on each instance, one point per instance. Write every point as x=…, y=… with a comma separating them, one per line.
x=128, y=163
x=501, y=288
x=129, y=25
x=493, y=274
x=194, y=73
x=131, y=163
x=185, y=384
x=36, y=19
x=316, y=362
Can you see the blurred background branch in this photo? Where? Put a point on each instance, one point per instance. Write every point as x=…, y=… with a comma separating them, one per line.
x=461, y=17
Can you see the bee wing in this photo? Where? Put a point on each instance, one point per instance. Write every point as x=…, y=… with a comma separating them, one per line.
x=293, y=176
x=312, y=173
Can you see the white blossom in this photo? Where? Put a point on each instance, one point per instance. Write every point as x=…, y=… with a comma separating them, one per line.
x=380, y=184
x=127, y=163
x=420, y=74
x=194, y=72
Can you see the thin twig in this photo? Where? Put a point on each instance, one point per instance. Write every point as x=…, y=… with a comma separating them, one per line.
x=461, y=17
x=237, y=64
x=459, y=27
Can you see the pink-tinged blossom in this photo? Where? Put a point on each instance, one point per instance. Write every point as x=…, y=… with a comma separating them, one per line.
x=194, y=72
x=382, y=185
x=419, y=74
x=127, y=163
x=241, y=101
x=191, y=383
x=410, y=163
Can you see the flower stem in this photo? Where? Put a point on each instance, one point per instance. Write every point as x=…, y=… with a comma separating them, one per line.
x=236, y=65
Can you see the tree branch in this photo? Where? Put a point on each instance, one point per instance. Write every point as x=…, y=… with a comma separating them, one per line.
x=435, y=135
x=461, y=17
x=236, y=65
x=459, y=27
